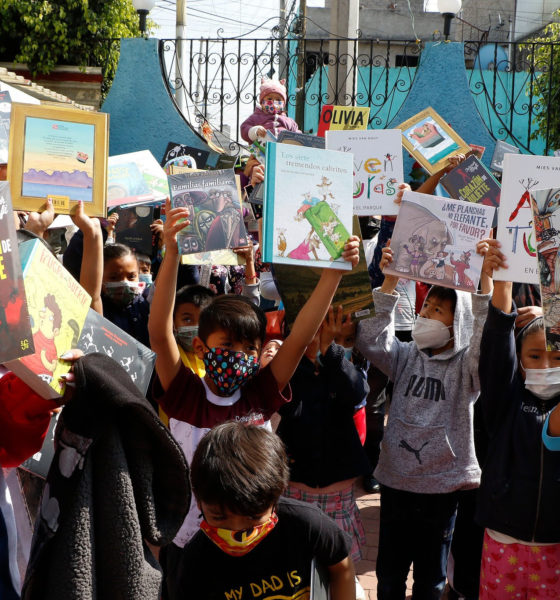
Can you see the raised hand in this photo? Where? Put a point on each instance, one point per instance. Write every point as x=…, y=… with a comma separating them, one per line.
x=176, y=220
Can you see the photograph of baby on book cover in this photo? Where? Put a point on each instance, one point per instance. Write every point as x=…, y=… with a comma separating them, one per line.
x=546, y=212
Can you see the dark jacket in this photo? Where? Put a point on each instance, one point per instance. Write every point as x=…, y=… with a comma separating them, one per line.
x=133, y=318
x=317, y=426
x=520, y=488
x=118, y=478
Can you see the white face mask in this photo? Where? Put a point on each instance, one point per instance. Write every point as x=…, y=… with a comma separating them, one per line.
x=544, y=383
x=430, y=333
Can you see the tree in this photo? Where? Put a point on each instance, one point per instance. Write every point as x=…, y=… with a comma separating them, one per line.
x=44, y=34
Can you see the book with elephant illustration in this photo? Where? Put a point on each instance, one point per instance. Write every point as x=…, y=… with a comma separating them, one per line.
x=435, y=241
x=307, y=213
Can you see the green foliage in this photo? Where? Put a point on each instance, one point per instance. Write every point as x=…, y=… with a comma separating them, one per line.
x=45, y=34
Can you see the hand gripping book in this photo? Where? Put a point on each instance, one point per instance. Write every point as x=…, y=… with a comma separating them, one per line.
x=58, y=306
x=16, y=339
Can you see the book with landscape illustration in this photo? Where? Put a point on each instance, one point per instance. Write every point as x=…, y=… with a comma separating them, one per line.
x=435, y=241
x=308, y=209
x=58, y=306
x=216, y=217
x=378, y=167
x=16, y=339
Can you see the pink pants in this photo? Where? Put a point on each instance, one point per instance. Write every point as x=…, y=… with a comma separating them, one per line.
x=518, y=571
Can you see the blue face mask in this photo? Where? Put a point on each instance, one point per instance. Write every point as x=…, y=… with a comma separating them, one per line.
x=146, y=278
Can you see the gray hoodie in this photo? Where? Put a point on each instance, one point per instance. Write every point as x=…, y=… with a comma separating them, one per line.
x=428, y=445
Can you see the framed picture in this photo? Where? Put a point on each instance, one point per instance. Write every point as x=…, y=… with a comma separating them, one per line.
x=431, y=141
x=60, y=153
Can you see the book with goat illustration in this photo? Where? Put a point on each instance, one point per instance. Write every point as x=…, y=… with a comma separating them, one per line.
x=435, y=241
x=307, y=213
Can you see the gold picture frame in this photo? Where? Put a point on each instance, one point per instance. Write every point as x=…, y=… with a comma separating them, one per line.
x=431, y=141
x=60, y=153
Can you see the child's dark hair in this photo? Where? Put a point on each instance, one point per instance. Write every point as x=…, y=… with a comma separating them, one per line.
x=115, y=251
x=196, y=294
x=443, y=293
x=235, y=314
x=143, y=259
x=534, y=326
x=240, y=467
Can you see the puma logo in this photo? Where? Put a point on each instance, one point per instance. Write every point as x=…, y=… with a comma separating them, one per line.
x=416, y=453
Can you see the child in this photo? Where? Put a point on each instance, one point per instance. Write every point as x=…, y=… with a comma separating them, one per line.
x=230, y=336
x=427, y=453
x=270, y=115
x=519, y=492
x=252, y=543
x=144, y=269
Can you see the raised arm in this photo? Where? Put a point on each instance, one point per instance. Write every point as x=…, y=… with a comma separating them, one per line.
x=160, y=323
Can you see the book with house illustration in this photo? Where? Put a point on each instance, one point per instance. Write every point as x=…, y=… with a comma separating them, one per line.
x=378, y=167
x=546, y=219
x=308, y=206
x=435, y=241
x=522, y=174
x=16, y=339
x=216, y=217
x=295, y=284
x=58, y=306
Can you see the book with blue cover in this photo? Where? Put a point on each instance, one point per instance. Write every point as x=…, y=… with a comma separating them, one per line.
x=308, y=206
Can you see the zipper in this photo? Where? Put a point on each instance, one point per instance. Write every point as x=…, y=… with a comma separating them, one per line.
x=539, y=497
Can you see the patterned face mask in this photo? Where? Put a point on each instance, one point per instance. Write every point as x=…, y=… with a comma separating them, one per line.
x=122, y=293
x=229, y=370
x=238, y=543
x=273, y=107
x=185, y=336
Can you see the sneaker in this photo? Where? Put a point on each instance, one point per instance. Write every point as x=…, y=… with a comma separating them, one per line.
x=360, y=592
x=371, y=485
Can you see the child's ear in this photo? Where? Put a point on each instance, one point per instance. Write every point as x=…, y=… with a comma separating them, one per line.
x=199, y=347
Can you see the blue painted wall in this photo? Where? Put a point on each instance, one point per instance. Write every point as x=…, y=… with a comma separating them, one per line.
x=142, y=114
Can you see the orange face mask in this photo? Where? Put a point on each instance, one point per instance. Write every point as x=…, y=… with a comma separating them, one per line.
x=239, y=543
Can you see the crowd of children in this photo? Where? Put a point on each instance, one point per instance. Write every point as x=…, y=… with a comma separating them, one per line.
x=268, y=425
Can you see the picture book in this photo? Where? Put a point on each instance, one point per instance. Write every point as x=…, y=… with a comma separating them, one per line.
x=546, y=215
x=435, y=240
x=5, y=111
x=16, y=339
x=472, y=182
x=133, y=227
x=300, y=139
x=308, y=208
x=522, y=174
x=100, y=335
x=342, y=117
x=477, y=150
x=502, y=148
x=135, y=178
x=216, y=220
x=378, y=167
x=58, y=307
x=430, y=140
x=175, y=149
x=295, y=284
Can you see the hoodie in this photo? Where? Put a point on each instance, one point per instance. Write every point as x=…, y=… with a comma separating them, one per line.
x=428, y=445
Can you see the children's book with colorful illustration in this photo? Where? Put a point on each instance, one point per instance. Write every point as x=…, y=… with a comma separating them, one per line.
x=522, y=174
x=216, y=217
x=58, y=306
x=16, y=339
x=295, y=284
x=175, y=149
x=135, y=178
x=435, y=241
x=308, y=206
x=378, y=167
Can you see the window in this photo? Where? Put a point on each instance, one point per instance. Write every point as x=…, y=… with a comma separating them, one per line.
x=403, y=60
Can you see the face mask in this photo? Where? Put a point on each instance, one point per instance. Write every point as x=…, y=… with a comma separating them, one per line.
x=228, y=369
x=122, y=293
x=272, y=107
x=348, y=353
x=185, y=336
x=238, y=543
x=430, y=333
x=544, y=383
x=146, y=278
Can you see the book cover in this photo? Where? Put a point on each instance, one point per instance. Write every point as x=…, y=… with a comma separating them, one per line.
x=295, y=284
x=175, y=149
x=472, y=182
x=378, y=167
x=298, y=179
x=215, y=257
x=133, y=227
x=546, y=215
x=477, y=150
x=5, y=111
x=16, y=339
x=300, y=139
x=342, y=117
x=216, y=220
x=100, y=335
x=58, y=307
x=522, y=174
x=435, y=240
x=502, y=148
x=135, y=178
